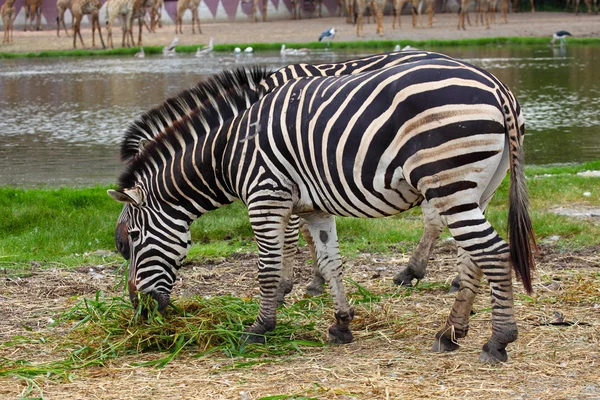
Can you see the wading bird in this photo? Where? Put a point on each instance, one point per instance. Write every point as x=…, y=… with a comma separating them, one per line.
x=206, y=49
x=560, y=35
x=170, y=49
x=328, y=35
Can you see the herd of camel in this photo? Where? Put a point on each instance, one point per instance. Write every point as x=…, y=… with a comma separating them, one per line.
x=131, y=10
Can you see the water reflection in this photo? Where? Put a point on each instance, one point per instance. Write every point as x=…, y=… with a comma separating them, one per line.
x=61, y=119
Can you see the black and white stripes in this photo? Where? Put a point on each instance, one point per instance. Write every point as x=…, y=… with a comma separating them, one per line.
x=368, y=145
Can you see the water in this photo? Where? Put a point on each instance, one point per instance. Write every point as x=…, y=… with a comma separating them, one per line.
x=61, y=119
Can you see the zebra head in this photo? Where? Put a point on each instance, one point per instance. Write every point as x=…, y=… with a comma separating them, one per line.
x=121, y=235
x=155, y=241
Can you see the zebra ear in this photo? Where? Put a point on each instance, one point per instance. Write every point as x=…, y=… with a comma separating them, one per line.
x=131, y=196
x=142, y=144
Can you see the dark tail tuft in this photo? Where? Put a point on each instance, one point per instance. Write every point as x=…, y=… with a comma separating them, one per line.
x=520, y=229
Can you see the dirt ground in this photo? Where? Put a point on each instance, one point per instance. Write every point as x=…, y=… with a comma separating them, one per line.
x=541, y=24
x=389, y=358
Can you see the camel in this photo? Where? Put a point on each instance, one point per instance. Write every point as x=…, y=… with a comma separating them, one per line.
x=415, y=9
x=8, y=13
x=376, y=6
x=61, y=7
x=139, y=13
x=298, y=7
x=255, y=4
x=33, y=8
x=182, y=6
x=124, y=9
x=515, y=6
x=155, y=13
x=483, y=9
x=79, y=8
x=591, y=8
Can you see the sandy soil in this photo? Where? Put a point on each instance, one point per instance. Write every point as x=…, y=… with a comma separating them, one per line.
x=521, y=24
x=390, y=357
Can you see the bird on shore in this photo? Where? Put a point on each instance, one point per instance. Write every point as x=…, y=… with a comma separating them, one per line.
x=408, y=47
x=327, y=35
x=286, y=52
x=170, y=49
x=560, y=35
x=293, y=52
x=140, y=54
x=397, y=48
x=248, y=50
x=206, y=49
x=237, y=50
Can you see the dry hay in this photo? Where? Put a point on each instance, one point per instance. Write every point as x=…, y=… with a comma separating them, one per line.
x=557, y=355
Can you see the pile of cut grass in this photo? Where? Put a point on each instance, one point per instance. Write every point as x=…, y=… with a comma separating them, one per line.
x=103, y=329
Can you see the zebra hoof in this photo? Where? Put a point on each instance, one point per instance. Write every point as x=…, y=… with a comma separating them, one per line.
x=316, y=290
x=490, y=355
x=443, y=344
x=455, y=286
x=404, y=277
x=251, y=338
x=339, y=335
x=285, y=287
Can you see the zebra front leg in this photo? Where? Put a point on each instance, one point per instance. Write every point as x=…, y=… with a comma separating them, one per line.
x=290, y=246
x=269, y=230
x=322, y=228
x=417, y=265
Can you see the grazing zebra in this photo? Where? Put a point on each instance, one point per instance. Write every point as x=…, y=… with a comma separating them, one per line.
x=435, y=130
x=156, y=120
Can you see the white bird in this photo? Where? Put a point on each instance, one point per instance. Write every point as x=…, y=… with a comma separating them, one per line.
x=397, y=48
x=237, y=50
x=328, y=35
x=140, y=54
x=302, y=51
x=248, y=50
x=286, y=52
x=408, y=47
x=206, y=49
x=560, y=35
x=170, y=49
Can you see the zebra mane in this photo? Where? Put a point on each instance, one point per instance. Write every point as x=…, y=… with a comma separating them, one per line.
x=216, y=89
x=205, y=105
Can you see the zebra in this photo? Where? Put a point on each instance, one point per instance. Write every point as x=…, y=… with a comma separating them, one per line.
x=439, y=130
x=187, y=102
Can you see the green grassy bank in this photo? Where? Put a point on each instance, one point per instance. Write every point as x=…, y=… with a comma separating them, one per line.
x=67, y=227
x=371, y=45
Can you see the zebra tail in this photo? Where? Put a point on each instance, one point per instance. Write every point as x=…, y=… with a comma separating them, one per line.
x=520, y=229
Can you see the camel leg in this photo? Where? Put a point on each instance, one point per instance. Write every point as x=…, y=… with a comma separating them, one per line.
x=97, y=19
x=197, y=20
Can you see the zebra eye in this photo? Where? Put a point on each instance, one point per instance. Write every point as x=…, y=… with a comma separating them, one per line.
x=134, y=234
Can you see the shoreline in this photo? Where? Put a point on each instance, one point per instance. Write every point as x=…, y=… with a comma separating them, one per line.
x=523, y=28
x=379, y=45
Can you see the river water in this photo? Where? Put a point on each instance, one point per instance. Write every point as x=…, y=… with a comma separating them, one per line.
x=61, y=119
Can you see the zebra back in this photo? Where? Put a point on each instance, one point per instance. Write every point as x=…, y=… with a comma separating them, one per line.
x=350, y=67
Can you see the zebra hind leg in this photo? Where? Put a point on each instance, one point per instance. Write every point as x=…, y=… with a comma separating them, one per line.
x=457, y=324
x=269, y=232
x=322, y=229
x=486, y=249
